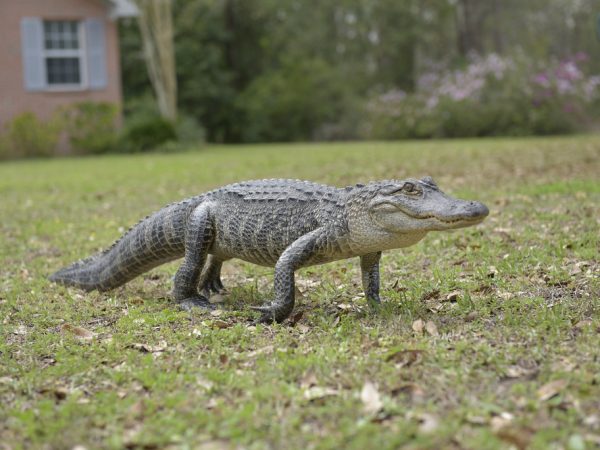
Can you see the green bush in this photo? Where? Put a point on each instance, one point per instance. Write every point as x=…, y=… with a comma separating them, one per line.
x=492, y=96
x=91, y=126
x=293, y=102
x=27, y=136
x=146, y=132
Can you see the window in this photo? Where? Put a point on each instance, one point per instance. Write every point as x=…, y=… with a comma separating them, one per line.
x=63, y=53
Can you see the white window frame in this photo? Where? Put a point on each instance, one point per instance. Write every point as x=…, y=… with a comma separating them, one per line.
x=79, y=53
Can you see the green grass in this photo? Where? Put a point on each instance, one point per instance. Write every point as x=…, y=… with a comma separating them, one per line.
x=526, y=313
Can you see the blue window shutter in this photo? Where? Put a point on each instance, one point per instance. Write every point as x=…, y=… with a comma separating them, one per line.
x=32, y=47
x=95, y=42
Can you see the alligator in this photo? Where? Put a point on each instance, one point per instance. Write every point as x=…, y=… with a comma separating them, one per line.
x=286, y=224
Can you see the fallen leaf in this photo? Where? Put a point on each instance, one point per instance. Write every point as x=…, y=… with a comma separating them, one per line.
x=296, y=318
x=261, y=351
x=60, y=393
x=413, y=390
x=219, y=444
x=308, y=380
x=81, y=333
x=549, y=390
x=431, y=328
x=500, y=421
x=520, y=437
x=319, y=392
x=371, y=399
x=404, y=358
x=428, y=423
x=583, y=323
x=145, y=348
x=476, y=420
x=344, y=306
x=452, y=296
x=224, y=359
x=204, y=383
x=220, y=324
x=216, y=298
x=21, y=330
x=418, y=326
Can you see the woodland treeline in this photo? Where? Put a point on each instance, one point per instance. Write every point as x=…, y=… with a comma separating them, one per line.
x=277, y=70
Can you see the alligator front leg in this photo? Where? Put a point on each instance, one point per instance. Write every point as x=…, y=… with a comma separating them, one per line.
x=369, y=266
x=198, y=239
x=297, y=255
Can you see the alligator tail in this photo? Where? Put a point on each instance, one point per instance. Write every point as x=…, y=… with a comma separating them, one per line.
x=155, y=240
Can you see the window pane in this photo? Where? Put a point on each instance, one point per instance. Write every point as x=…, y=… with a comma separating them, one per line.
x=61, y=34
x=63, y=71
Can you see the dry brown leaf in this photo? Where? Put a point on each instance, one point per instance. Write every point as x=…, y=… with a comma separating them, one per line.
x=492, y=272
x=432, y=328
x=429, y=423
x=413, y=390
x=21, y=330
x=520, y=437
x=219, y=444
x=80, y=333
x=296, y=318
x=224, y=359
x=216, y=298
x=370, y=398
x=344, y=306
x=583, y=323
x=146, y=348
x=204, y=383
x=453, y=296
x=405, y=358
x=59, y=392
x=418, y=326
x=500, y=421
x=308, y=380
x=261, y=351
x=220, y=324
x=549, y=390
x=319, y=392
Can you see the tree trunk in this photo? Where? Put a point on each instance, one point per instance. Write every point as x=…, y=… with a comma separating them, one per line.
x=156, y=26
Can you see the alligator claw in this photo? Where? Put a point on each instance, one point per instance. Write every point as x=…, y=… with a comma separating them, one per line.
x=199, y=301
x=270, y=313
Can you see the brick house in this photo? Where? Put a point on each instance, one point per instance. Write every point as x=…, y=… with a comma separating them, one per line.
x=58, y=52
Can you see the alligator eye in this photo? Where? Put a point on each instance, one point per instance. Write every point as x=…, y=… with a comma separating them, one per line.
x=410, y=188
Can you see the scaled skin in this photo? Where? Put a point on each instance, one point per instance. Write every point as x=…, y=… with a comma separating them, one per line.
x=287, y=224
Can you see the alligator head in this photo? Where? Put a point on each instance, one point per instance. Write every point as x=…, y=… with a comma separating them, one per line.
x=419, y=205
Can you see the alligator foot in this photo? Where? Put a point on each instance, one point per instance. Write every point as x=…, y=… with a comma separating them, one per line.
x=199, y=301
x=272, y=312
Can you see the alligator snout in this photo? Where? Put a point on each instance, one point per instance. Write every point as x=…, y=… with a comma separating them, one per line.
x=476, y=210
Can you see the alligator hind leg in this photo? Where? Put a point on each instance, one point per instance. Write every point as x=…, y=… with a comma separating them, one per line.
x=210, y=281
x=198, y=239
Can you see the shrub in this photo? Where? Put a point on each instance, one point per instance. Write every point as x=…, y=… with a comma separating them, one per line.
x=27, y=136
x=91, y=126
x=491, y=96
x=146, y=132
x=293, y=102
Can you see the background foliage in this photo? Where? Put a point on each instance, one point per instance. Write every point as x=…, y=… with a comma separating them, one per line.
x=276, y=70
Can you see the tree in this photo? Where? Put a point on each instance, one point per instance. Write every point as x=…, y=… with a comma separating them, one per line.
x=156, y=27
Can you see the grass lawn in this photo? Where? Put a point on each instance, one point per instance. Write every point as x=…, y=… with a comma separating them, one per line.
x=489, y=337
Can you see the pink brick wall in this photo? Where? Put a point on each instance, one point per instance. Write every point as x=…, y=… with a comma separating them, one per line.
x=14, y=98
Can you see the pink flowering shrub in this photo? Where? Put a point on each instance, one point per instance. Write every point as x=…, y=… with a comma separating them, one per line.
x=491, y=96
